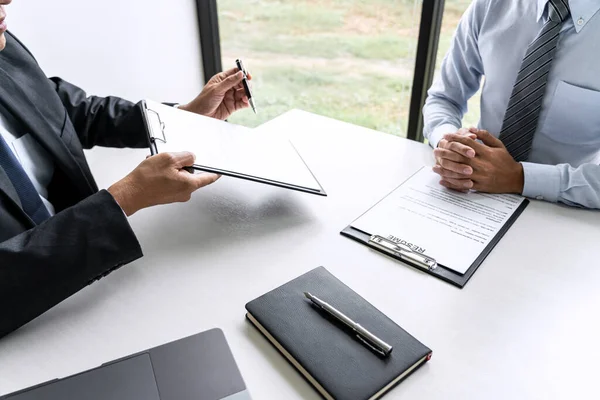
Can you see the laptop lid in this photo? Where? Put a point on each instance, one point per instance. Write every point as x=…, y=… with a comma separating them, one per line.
x=199, y=367
x=130, y=379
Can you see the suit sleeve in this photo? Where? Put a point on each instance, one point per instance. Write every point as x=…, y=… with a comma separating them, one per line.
x=102, y=121
x=47, y=264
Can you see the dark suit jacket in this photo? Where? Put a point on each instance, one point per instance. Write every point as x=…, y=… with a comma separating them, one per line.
x=89, y=236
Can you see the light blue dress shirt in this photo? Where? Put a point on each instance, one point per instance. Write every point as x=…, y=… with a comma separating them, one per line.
x=491, y=41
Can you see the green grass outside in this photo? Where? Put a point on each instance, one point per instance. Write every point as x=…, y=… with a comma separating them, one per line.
x=348, y=59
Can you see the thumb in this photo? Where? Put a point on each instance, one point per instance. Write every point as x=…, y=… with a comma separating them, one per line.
x=231, y=81
x=487, y=138
x=202, y=179
x=181, y=159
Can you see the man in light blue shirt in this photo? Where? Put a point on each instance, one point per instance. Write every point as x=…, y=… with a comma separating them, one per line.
x=549, y=150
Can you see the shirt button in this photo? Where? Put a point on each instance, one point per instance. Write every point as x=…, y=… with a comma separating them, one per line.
x=580, y=21
x=539, y=198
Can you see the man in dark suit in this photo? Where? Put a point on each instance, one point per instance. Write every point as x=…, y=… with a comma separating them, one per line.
x=58, y=233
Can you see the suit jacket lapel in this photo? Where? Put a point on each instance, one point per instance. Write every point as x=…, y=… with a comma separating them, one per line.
x=20, y=103
x=16, y=100
x=6, y=186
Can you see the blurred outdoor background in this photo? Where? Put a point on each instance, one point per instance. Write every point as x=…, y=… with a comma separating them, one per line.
x=352, y=60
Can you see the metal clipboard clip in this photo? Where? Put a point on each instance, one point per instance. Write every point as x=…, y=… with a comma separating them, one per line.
x=403, y=252
x=156, y=128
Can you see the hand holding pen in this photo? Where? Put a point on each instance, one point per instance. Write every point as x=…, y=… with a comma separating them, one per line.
x=222, y=95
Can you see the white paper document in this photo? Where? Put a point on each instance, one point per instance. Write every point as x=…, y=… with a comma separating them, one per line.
x=452, y=227
x=232, y=149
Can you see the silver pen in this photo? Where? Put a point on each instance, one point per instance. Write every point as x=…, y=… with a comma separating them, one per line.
x=362, y=334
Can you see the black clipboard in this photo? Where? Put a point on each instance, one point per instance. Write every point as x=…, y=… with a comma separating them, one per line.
x=448, y=275
x=155, y=133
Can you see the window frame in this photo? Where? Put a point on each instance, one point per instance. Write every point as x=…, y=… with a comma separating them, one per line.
x=210, y=40
x=427, y=47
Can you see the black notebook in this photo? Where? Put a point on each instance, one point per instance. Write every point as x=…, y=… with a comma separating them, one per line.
x=330, y=356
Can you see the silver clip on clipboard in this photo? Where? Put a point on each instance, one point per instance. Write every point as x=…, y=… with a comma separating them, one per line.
x=155, y=125
x=396, y=249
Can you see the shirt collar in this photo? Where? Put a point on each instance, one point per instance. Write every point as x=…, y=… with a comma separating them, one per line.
x=581, y=11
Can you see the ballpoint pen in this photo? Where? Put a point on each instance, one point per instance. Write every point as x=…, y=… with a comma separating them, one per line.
x=364, y=335
x=247, y=89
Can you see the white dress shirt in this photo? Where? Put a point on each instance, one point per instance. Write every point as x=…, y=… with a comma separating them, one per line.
x=491, y=40
x=33, y=158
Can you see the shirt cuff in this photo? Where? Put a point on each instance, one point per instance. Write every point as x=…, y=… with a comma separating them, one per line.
x=439, y=132
x=542, y=182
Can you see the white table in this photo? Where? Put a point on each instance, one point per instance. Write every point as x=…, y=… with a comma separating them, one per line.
x=525, y=326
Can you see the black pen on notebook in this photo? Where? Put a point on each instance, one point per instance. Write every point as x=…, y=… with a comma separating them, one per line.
x=364, y=335
x=247, y=89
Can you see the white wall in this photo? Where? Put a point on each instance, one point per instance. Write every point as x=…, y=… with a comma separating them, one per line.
x=130, y=48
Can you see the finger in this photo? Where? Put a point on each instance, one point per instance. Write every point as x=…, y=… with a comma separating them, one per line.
x=241, y=85
x=221, y=76
x=454, y=186
x=467, y=132
x=488, y=139
x=229, y=72
x=444, y=156
x=459, y=148
x=240, y=96
x=453, y=166
x=203, y=179
x=460, y=183
x=181, y=159
x=445, y=173
x=459, y=168
x=231, y=81
x=450, y=155
x=249, y=75
x=478, y=147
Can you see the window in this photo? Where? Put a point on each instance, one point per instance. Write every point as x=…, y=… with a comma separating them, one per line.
x=352, y=60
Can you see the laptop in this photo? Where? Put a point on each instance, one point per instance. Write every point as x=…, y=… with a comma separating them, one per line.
x=199, y=367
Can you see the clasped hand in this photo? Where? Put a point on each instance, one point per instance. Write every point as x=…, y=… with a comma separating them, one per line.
x=464, y=163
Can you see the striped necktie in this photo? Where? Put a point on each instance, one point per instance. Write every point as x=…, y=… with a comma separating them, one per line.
x=523, y=112
x=30, y=198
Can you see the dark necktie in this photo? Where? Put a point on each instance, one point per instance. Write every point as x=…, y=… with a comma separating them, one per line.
x=29, y=196
x=523, y=112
